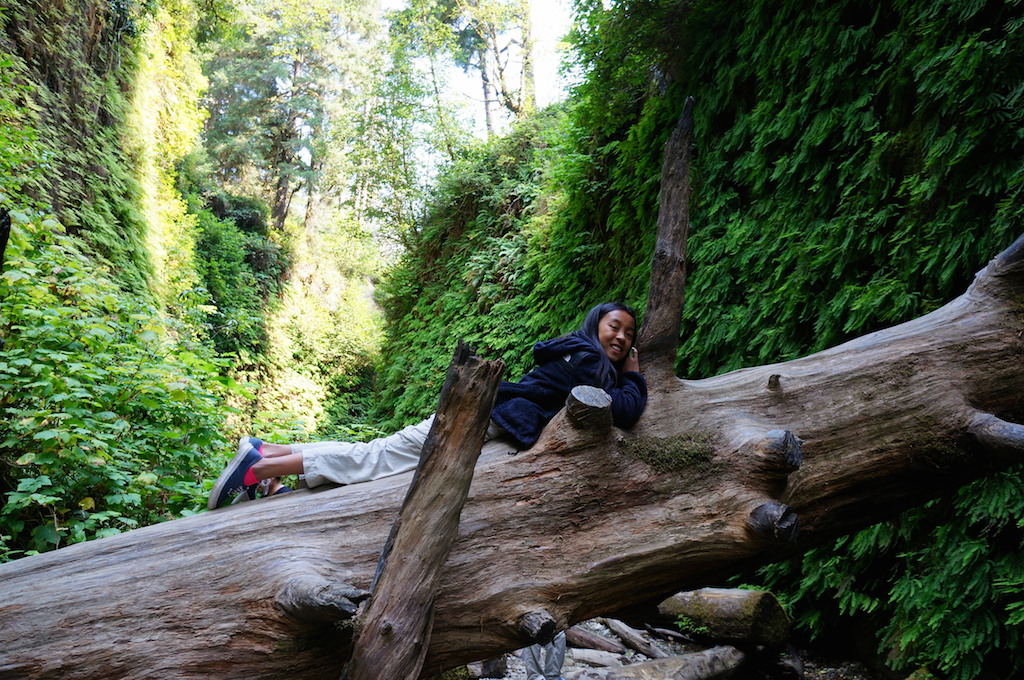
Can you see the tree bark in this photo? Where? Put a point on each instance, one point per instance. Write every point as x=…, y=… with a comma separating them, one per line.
x=394, y=630
x=659, y=336
x=5, y=234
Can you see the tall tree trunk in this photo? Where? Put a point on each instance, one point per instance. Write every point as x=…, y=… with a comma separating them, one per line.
x=442, y=118
x=485, y=83
x=282, y=189
x=529, y=78
x=313, y=198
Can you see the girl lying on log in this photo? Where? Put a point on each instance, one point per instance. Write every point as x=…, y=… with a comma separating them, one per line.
x=599, y=353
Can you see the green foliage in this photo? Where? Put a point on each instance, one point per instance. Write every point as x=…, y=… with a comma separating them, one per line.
x=838, y=181
x=285, y=78
x=69, y=71
x=19, y=145
x=855, y=164
x=943, y=583
x=688, y=626
x=243, y=273
x=107, y=424
x=463, y=277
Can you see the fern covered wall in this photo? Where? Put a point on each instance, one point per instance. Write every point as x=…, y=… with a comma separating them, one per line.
x=76, y=61
x=855, y=164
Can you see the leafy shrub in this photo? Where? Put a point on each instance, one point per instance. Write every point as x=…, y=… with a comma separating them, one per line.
x=242, y=272
x=464, y=276
x=942, y=583
x=107, y=423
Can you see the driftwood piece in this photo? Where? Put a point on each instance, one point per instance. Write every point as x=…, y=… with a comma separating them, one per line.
x=578, y=636
x=596, y=657
x=634, y=639
x=394, y=631
x=745, y=618
x=716, y=663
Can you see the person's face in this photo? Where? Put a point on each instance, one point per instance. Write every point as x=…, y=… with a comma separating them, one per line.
x=616, y=331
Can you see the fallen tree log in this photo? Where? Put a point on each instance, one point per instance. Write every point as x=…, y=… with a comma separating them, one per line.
x=887, y=421
x=744, y=618
x=719, y=474
x=634, y=639
x=716, y=663
x=578, y=636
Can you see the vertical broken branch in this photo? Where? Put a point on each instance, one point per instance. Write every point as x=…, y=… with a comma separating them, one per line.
x=395, y=628
x=5, y=234
x=659, y=337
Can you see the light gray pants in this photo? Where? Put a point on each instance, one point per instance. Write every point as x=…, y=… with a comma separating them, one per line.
x=544, y=662
x=352, y=462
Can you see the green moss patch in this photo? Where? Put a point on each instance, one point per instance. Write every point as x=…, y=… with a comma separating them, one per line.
x=688, y=452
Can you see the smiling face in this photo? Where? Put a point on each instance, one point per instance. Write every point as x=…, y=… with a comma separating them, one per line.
x=616, y=331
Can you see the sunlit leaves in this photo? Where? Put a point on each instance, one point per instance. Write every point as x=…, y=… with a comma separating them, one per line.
x=104, y=426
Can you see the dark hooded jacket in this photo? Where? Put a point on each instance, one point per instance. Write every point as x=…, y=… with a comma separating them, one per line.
x=525, y=407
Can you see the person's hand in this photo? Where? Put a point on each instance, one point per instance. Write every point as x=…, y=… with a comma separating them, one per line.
x=632, y=362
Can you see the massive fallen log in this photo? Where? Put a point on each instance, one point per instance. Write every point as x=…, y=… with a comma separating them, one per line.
x=579, y=525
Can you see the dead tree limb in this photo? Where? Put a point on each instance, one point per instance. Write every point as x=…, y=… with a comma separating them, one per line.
x=394, y=631
x=659, y=336
x=634, y=639
x=716, y=663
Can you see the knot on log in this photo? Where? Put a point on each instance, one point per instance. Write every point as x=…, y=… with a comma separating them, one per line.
x=538, y=626
x=783, y=447
x=774, y=522
x=312, y=599
x=774, y=456
x=589, y=408
x=997, y=435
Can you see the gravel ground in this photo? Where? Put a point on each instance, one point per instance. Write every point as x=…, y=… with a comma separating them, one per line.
x=831, y=669
x=814, y=667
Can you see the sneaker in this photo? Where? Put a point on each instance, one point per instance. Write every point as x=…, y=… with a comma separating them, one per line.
x=231, y=482
x=272, y=487
x=248, y=493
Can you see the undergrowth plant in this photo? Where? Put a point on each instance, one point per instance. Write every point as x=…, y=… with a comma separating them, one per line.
x=108, y=423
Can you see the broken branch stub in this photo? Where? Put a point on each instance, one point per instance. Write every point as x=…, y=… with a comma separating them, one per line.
x=589, y=408
x=659, y=335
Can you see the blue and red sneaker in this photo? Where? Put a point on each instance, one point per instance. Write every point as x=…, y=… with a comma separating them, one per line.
x=232, y=482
